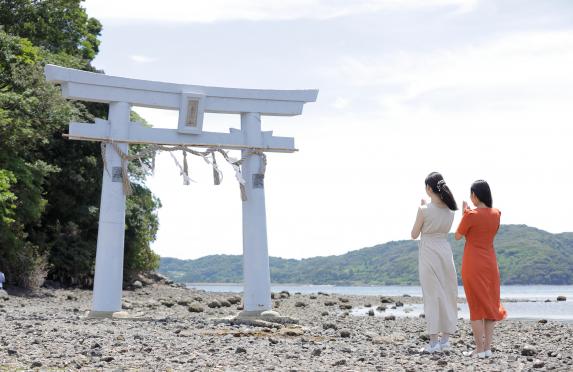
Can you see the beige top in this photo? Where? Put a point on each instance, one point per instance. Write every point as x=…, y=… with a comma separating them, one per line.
x=437, y=221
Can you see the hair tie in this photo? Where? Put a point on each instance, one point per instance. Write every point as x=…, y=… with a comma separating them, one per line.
x=440, y=184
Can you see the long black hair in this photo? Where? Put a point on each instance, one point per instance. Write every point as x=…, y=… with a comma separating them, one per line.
x=436, y=182
x=481, y=189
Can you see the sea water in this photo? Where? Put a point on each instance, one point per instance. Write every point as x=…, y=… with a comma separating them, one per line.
x=520, y=301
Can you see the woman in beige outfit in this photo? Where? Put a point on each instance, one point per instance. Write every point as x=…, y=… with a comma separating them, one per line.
x=436, y=262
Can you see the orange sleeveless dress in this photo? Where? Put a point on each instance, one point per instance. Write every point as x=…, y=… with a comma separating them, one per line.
x=480, y=272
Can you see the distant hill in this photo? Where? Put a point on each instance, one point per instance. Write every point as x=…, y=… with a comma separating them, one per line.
x=526, y=255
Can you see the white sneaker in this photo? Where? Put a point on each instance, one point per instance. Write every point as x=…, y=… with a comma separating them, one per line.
x=488, y=353
x=429, y=349
x=473, y=354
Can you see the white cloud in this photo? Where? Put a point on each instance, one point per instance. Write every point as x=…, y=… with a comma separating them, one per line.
x=340, y=103
x=526, y=67
x=142, y=59
x=225, y=10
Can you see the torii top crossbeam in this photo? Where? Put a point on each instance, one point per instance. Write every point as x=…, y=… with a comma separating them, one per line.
x=95, y=87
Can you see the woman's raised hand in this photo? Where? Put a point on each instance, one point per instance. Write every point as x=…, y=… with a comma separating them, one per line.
x=464, y=205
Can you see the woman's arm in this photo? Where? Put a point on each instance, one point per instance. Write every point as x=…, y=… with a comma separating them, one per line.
x=418, y=224
x=464, y=223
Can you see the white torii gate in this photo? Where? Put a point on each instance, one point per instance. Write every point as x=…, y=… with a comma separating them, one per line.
x=191, y=101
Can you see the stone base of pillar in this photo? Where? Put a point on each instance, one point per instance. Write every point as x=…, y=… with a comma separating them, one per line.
x=259, y=319
x=107, y=314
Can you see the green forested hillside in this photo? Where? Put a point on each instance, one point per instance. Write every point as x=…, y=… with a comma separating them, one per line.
x=526, y=256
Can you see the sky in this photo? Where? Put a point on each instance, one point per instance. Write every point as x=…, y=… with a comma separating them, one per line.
x=474, y=89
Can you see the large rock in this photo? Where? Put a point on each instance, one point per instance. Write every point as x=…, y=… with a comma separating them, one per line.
x=528, y=350
x=137, y=284
x=214, y=304
x=195, y=308
x=561, y=298
x=234, y=300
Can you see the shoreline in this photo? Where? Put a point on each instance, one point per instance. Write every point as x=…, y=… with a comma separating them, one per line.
x=48, y=330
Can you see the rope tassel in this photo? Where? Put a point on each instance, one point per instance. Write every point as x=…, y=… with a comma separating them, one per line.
x=217, y=175
x=185, y=169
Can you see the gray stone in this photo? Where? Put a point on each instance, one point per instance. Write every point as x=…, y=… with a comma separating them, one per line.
x=329, y=303
x=528, y=350
x=343, y=299
x=390, y=317
x=316, y=352
x=137, y=284
x=561, y=298
x=381, y=308
x=195, y=308
x=341, y=362
x=329, y=326
x=214, y=304
x=234, y=300
x=538, y=363
x=299, y=304
x=225, y=303
x=345, y=334
x=345, y=306
x=370, y=312
x=240, y=350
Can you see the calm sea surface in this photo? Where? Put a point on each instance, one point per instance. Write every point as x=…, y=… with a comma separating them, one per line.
x=521, y=302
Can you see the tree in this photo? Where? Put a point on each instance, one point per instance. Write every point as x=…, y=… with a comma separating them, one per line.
x=50, y=186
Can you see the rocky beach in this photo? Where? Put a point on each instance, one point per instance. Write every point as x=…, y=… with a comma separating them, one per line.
x=175, y=328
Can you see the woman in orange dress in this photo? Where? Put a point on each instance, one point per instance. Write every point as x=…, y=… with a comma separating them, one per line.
x=480, y=273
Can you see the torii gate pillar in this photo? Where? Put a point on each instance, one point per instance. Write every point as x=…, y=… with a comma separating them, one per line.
x=256, y=272
x=108, y=278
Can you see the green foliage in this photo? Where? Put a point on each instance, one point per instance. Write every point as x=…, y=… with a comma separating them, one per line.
x=58, y=26
x=50, y=186
x=525, y=255
x=142, y=225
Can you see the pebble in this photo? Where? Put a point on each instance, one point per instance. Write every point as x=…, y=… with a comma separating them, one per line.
x=561, y=298
x=329, y=326
x=195, y=308
x=345, y=334
x=528, y=350
x=538, y=363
